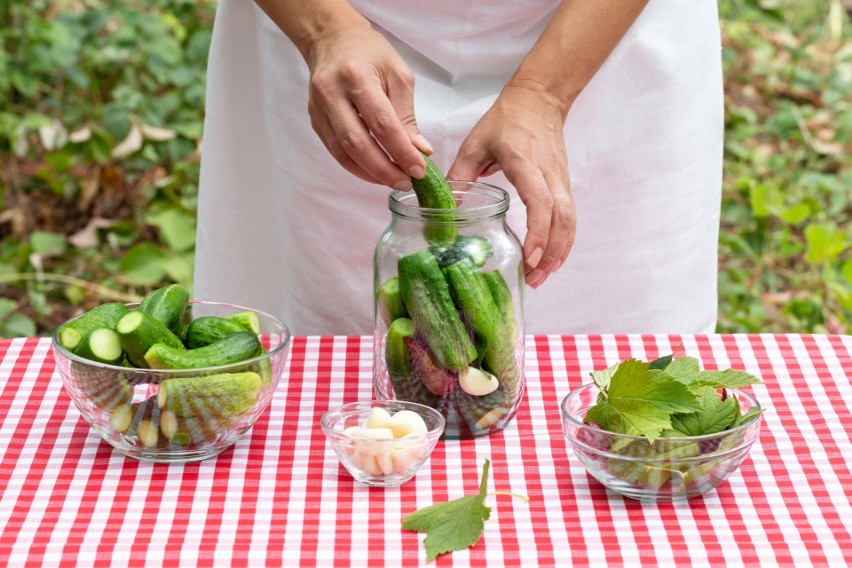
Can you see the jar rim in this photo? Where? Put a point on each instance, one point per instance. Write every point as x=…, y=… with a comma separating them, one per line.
x=492, y=201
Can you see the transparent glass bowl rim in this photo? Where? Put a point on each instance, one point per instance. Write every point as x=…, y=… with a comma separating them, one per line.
x=156, y=373
x=675, y=439
x=397, y=202
x=348, y=409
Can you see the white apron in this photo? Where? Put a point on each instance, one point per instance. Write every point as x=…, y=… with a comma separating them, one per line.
x=283, y=228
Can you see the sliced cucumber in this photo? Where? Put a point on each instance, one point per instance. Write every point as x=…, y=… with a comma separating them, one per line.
x=102, y=345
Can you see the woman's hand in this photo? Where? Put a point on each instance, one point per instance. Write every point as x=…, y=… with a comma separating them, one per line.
x=522, y=135
x=361, y=105
x=361, y=99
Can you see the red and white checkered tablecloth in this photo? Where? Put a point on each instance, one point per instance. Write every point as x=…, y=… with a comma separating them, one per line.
x=280, y=497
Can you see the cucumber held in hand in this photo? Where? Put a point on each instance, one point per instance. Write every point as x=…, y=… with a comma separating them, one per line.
x=433, y=192
x=232, y=349
x=105, y=315
x=139, y=331
x=427, y=298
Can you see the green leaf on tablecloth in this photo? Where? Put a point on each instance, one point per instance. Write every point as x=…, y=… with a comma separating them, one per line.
x=716, y=415
x=639, y=401
x=454, y=525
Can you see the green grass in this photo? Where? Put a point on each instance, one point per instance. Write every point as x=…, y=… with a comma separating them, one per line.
x=101, y=113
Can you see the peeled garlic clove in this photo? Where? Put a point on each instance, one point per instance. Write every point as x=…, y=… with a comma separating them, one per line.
x=372, y=433
x=477, y=382
x=366, y=462
x=384, y=462
x=490, y=419
x=406, y=422
x=378, y=418
x=406, y=454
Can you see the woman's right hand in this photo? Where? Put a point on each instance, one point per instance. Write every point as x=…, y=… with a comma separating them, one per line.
x=361, y=105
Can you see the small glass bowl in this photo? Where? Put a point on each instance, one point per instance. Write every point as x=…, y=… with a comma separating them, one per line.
x=129, y=409
x=669, y=469
x=381, y=462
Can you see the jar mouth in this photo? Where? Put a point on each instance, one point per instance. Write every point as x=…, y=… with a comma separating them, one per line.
x=475, y=200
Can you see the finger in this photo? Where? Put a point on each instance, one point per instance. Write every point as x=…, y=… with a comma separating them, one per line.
x=563, y=223
x=322, y=127
x=533, y=191
x=354, y=137
x=387, y=119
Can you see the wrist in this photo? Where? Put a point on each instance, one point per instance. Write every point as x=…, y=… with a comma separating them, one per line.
x=307, y=23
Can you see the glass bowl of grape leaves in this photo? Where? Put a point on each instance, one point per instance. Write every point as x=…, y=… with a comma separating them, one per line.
x=663, y=430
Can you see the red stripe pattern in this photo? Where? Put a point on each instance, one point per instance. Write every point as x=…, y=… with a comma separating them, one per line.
x=279, y=497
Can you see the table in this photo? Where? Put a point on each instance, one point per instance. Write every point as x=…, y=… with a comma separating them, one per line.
x=280, y=497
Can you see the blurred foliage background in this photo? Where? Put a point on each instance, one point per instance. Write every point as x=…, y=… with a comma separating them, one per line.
x=101, y=114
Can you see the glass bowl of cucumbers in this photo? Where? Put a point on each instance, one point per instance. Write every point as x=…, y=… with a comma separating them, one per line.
x=171, y=379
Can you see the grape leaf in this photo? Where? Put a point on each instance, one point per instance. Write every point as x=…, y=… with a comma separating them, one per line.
x=727, y=379
x=716, y=415
x=639, y=401
x=602, y=377
x=664, y=362
x=454, y=525
x=684, y=369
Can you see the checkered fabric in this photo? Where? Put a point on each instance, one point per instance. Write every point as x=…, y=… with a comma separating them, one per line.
x=280, y=497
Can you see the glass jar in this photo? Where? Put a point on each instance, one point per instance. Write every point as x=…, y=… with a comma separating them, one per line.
x=449, y=326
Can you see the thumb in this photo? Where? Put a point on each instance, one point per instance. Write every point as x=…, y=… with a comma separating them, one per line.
x=469, y=165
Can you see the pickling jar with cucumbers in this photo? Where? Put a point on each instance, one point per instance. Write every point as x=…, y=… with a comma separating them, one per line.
x=448, y=317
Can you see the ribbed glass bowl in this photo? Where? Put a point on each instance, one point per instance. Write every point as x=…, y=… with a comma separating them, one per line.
x=132, y=410
x=669, y=469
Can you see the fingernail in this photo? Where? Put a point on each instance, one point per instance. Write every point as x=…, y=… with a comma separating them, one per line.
x=535, y=257
x=403, y=185
x=417, y=172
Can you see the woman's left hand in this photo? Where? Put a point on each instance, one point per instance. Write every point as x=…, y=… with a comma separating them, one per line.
x=522, y=135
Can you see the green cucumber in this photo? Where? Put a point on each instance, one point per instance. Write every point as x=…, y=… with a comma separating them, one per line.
x=427, y=298
x=433, y=192
x=224, y=395
x=210, y=329
x=472, y=247
x=248, y=319
x=139, y=331
x=102, y=345
x=503, y=362
x=167, y=304
x=105, y=315
x=232, y=349
x=470, y=291
x=397, y=355
x=390, y=302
